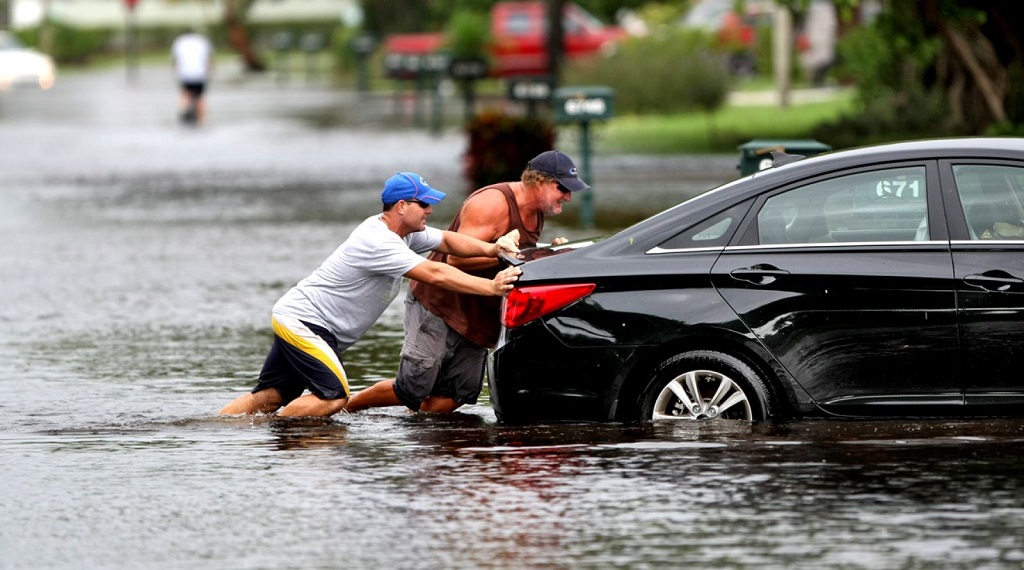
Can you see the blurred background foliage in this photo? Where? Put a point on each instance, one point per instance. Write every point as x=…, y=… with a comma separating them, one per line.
x=669, y=71
x=468, y=34
x=917, y=69
x=500, y=145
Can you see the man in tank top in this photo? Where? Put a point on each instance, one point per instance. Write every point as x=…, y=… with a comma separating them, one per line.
x=447, y=334
x=328, y=311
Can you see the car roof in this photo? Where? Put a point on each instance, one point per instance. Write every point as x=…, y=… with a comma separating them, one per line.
x=656, y=227
x=926, y=148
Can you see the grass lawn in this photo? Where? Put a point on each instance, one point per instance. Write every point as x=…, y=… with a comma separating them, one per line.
x=720, y=132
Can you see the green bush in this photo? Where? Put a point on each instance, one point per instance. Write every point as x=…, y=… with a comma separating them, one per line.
x=500, y=145
x=881, y=59
x=468, y=34
x=889, y=62
x=1006, y=129
x=911, y=114
x=669, y=72
x=345, y=60
x=68, y=45
x=76, y=45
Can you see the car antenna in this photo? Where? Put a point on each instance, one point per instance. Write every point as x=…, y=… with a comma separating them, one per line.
x=779, y=158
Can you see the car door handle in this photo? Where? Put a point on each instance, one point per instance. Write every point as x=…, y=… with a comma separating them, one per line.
x=993, y=281
x=758, y=274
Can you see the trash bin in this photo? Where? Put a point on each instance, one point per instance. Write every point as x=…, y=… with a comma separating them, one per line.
x=754, y=154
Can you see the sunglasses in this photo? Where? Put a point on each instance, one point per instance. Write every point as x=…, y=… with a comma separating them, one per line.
x=423, y=205
x=563, y=189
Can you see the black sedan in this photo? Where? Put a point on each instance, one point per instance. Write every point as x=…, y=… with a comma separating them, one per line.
x=882, y=281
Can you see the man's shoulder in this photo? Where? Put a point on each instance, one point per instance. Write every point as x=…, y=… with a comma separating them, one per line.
x=491, y=196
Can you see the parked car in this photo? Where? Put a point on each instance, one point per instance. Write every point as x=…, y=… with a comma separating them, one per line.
x=519, y=39
x=882, y=281
x=20, y=65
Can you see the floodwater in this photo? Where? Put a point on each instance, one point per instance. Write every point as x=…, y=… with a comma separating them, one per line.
x=138, y=265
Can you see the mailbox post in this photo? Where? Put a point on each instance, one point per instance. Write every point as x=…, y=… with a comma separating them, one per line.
x=435, y=66
x=583, y=105
x=467, y=71
x=425, y=71
x=363, y=47
x=281, y=42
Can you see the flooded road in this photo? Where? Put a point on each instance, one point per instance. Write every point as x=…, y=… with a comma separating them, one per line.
x=139, y=264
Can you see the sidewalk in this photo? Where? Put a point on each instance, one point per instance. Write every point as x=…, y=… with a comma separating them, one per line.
x=796, y=96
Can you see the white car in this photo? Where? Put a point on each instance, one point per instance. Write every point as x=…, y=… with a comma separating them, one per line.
x=20, y=65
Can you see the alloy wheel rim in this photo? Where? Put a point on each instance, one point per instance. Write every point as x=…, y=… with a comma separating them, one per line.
x=702, y=395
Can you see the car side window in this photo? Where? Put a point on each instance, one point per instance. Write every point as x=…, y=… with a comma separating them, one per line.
x=877, y=206
x=712, y=232
x=992, y=197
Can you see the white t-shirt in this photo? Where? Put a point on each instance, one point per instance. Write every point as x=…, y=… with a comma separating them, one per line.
x=191, y=53
x=352, y=288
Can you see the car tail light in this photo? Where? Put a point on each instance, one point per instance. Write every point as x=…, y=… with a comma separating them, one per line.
x=524, y=304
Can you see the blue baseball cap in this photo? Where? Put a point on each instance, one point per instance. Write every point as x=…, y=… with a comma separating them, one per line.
x=409, y=186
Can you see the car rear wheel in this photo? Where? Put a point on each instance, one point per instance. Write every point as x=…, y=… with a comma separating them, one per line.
x=706, y=385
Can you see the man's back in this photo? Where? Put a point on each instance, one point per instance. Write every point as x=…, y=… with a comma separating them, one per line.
x=192, y=53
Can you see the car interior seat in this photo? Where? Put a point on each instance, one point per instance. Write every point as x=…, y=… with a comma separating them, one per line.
x=981, y=216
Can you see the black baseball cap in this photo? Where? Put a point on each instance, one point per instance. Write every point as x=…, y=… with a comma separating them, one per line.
x=556, y=164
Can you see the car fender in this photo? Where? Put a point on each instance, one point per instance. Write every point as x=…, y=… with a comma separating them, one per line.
x=733, y=339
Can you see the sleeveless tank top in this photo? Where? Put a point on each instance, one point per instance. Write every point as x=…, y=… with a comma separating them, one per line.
x=476, y=317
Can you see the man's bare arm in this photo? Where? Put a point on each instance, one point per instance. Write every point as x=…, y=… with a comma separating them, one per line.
x=448, y=277
x=485, y=217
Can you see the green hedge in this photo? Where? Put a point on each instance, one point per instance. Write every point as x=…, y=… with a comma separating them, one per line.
x=669, y=72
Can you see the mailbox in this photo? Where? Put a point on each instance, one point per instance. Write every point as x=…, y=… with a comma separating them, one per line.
x=584, y=104
x=363, y=45
x=468, y=68
x=413, y=66
x=530, y=88
x=436, y=63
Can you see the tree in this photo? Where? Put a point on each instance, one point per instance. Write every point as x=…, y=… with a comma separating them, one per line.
x=979, y=49
x=235, y=16
x=963, y=51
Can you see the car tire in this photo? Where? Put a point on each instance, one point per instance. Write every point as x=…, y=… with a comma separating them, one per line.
x=706, y=385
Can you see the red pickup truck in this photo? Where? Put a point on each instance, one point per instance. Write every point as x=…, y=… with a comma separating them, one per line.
x=519, y=38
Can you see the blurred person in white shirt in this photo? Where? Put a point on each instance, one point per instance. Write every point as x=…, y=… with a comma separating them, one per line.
x=192, y=56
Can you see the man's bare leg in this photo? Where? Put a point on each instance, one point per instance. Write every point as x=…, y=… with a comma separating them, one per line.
x=439, y=405
x=264, y=402
x=379, y=395
x=200, y=110
x=312, y=405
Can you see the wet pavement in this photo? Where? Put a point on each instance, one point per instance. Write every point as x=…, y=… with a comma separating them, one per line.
x=138, y=264
x=263, y=134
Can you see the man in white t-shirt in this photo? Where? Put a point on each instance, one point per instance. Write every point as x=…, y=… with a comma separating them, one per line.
x=328, y=311
x=192, y=56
